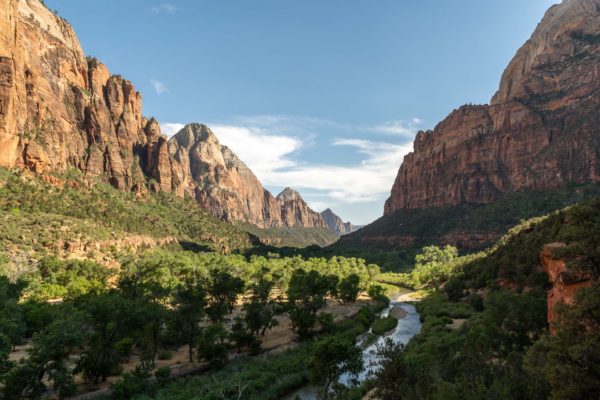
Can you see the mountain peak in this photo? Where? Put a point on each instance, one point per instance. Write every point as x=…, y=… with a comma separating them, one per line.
x=288, y=193
x=336, y=224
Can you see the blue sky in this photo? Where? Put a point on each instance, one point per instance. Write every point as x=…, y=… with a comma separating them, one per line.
x=321, y=95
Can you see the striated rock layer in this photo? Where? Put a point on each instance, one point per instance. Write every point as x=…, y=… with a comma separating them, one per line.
x=59, y=110
x=540, y=131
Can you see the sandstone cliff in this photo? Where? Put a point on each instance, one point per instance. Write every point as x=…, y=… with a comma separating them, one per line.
x=59, y=110
x=221, y=182
x=336, y=224
x=565, y=283
x=539, y=132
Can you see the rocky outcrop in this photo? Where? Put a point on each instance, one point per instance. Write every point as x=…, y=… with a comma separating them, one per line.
x=540, y=130
x=59, y=110
x=336, y=224
x=565, y=282
x=295, y=211
x=211, y=173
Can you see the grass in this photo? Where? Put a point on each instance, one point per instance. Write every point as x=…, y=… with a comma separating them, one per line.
x=384, y=325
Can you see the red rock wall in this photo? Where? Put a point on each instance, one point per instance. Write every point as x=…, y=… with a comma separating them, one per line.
x=59, y=110
x=540, y=131
x=563, y=291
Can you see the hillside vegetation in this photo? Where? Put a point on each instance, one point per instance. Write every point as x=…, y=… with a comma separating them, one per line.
x=485, y=332
x=40, y=214
x=393, y=241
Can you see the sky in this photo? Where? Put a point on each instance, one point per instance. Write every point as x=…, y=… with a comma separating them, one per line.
x=324, y=96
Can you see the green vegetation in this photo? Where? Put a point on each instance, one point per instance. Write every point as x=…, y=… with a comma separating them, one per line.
x=160, y=301
x=383, y=325
x=293, y=237
x=501, y=348
x=407, y=231
x=36, y=216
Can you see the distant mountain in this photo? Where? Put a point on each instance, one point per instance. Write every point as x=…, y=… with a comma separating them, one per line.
x=336, y=224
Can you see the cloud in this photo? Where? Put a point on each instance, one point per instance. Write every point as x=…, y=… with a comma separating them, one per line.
x=159, y=87
x=165, y=8
x=369, y=180
x=398, y=127
x=269, y=145
x=262, y=151
x=171, y=128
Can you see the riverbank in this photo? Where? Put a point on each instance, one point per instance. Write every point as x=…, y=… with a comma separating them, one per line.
x=408, y=326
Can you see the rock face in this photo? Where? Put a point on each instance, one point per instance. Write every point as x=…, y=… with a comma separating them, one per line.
x=59, y=110
x=565, y=283
x=540, y=131
x=221, y=182
x=295, y=211
x=336, y=224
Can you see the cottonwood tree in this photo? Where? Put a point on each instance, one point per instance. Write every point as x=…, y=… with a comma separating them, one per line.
x=188, y=305
x=331, y=358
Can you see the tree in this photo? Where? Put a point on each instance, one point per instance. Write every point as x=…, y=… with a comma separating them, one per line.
x=331, y=358
x=188, y=305
x=110, y=317
x=242, y=337
x=261, y=310
x=569, y=361
x=306, y=295
x=349, y=288
x=223, y=290
x=47, y=361
x=212, y=346
x=5, y=363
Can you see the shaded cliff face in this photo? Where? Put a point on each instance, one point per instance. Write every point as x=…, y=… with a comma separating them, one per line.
x=336, y=224
x=59, y=110
x=539, y=132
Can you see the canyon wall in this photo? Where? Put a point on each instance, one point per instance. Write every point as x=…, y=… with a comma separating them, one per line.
x=540, y=131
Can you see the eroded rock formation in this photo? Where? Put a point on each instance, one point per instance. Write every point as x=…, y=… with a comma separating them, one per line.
x=565, y=282
x=61, y=110
x=540, y=131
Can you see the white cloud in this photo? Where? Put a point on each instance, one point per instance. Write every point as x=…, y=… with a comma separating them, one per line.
x=171, y=128
x=398, y=127
x=159, y=87
x=262, y=151
x=165, y=8
x=267, y=144
x=370, y=180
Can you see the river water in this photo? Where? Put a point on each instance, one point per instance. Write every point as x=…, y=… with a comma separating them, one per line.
x=407, y=327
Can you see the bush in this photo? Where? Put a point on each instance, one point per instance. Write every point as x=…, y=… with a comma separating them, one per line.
x=384, y=325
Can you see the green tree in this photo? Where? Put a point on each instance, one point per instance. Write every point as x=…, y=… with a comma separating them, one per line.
x=212, y=346
x=223, y=290
x=306, y=295
x=47, y=361
x=569, y=360
x=188, y=305
x=349, y=288
x=331, y=358
x=110, y=318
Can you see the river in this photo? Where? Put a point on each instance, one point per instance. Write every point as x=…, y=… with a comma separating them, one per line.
x=407, y=327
